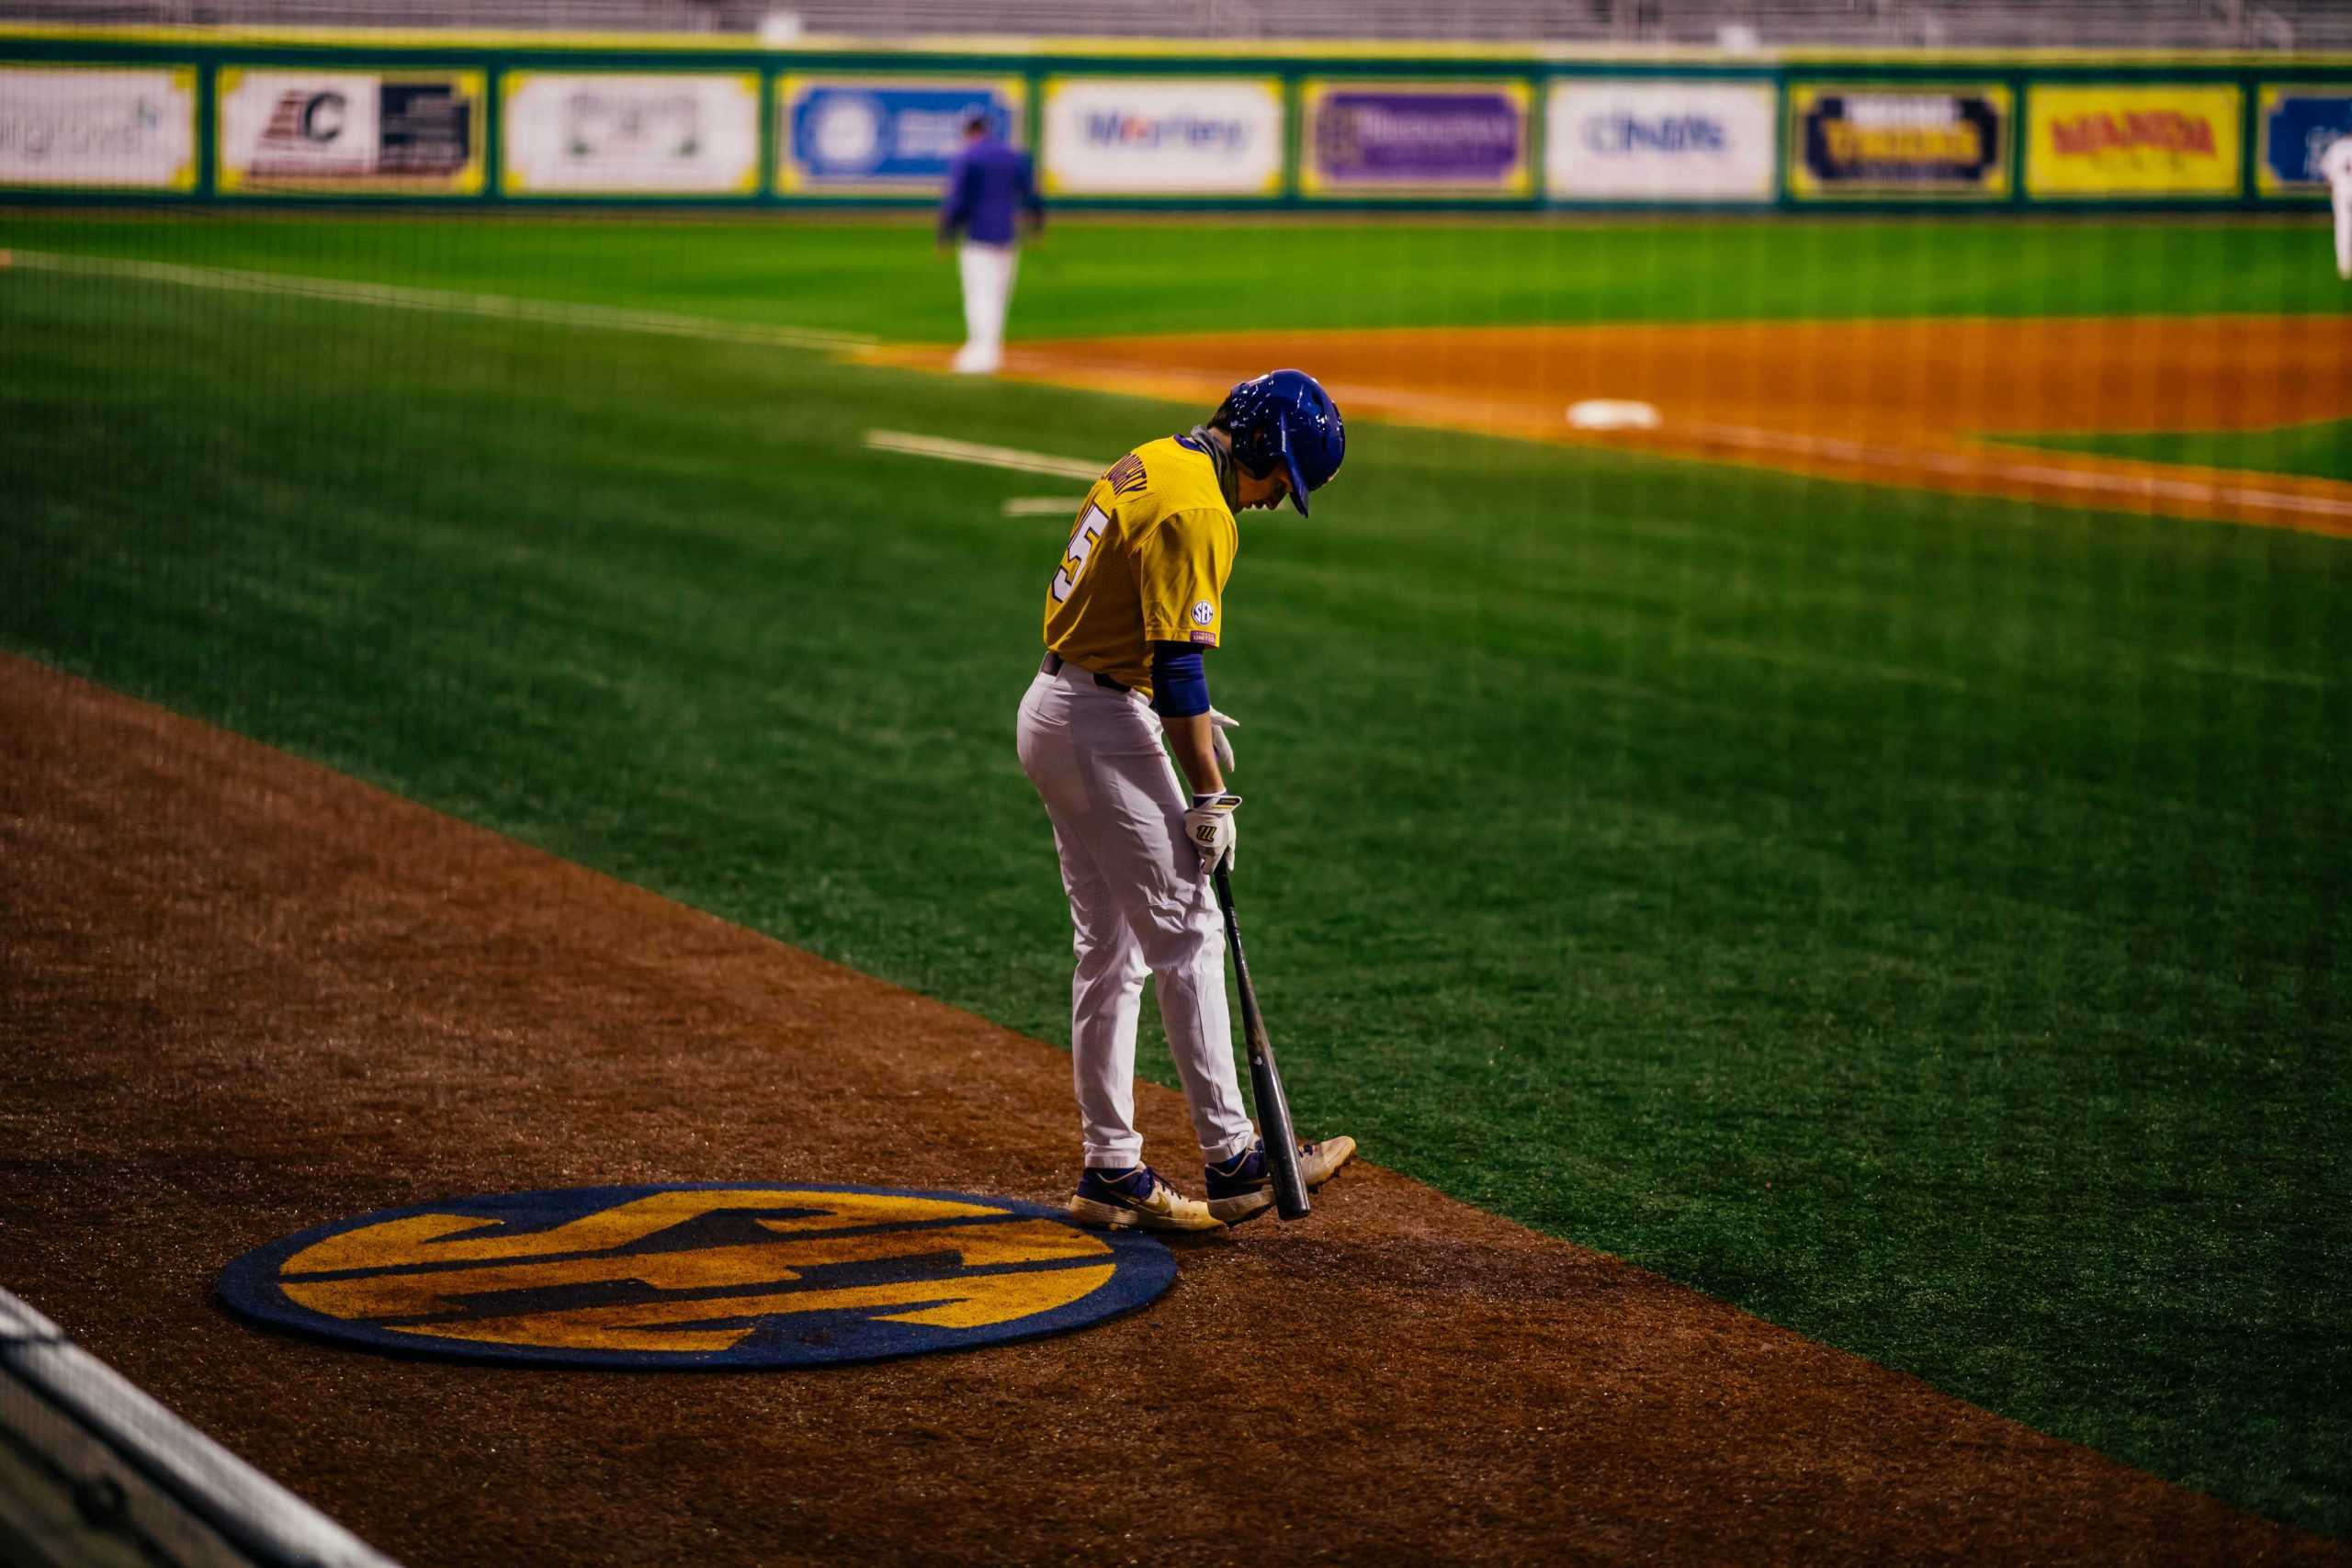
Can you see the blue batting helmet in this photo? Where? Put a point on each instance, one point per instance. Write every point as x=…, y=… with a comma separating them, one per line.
x=1285, y=417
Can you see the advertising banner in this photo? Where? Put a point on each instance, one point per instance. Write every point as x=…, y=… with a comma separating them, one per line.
x=2132, y=141
x=411, y=133
x=1873, y=142
x=1135, y=136
x=1651, y=141
x=629, y=133
x=884, y=135
x=1411, y=138
x=77, y=127
x=2298, y=125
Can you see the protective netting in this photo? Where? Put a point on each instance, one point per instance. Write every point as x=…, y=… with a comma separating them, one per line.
x=1803, y=746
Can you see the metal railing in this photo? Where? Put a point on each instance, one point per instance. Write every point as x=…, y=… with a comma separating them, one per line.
x=97, y=1472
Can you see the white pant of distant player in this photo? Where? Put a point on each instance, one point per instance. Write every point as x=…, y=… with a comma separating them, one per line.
x=988, y=296
x=2342, y=193
x=1142, y=903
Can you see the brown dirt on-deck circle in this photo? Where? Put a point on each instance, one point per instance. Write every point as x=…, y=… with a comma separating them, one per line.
x=245, y=994
x=1908, y=402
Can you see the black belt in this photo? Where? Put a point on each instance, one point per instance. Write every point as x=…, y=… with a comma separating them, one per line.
x=1053, y=666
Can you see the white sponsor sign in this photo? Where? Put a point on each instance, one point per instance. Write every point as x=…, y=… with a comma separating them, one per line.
x=1118, y=136
x=65, y=126
x=1660, y=142
x=620, y=132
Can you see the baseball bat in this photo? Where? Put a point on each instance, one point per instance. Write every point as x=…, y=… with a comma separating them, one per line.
x=1291, y=1201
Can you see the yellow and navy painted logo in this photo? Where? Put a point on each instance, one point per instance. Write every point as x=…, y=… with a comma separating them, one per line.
x=698, y=1276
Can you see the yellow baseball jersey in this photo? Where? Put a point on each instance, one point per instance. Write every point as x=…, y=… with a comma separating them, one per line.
x=1146, y=562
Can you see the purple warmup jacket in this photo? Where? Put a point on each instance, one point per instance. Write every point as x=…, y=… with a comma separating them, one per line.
x=986, y=184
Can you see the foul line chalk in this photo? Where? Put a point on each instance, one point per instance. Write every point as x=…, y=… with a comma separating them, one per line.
x=398, y=297
x=987, y=457
x=2104, y=486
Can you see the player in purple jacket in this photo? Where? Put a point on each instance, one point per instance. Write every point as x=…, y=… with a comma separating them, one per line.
x=991, y=195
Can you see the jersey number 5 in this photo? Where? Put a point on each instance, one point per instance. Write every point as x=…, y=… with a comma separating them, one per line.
x=1091, y=525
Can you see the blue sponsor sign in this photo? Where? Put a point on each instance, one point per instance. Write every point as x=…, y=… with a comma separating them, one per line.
x=2297, y=126
x=871, y=134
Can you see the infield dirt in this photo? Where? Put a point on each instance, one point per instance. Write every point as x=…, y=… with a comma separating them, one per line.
x=245, y=994
x=1917, y=402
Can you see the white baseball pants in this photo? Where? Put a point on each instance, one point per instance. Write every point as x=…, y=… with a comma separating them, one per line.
x=988, y=296
x=2342, y=197
x=1140, y=903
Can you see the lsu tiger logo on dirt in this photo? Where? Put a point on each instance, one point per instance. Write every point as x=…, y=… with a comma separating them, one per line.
x=698, y=1276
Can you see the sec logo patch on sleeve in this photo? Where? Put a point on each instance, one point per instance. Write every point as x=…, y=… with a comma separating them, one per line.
x=701, y=1276
x=1203, y=613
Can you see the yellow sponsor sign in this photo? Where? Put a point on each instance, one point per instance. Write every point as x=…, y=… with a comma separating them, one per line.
x=2134, y=141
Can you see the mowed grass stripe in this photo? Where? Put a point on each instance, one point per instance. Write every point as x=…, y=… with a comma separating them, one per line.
x=1115, y=277
x=1894, y=913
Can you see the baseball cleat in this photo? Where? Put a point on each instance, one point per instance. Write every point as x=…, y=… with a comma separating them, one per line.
x=1119, y=1200
x=1242, y=1188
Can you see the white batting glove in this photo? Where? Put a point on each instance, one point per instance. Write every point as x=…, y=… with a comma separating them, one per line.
x=1209, y=826
x=1218, y=724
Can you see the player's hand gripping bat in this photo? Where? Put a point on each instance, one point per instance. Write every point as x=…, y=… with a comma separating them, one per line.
x=1265, y=1084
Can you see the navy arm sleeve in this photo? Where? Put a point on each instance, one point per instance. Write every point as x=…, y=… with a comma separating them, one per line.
x=1179, y=682
x=955, y=205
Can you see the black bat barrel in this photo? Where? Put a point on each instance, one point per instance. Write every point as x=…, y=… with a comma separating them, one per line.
x=1291, y=1201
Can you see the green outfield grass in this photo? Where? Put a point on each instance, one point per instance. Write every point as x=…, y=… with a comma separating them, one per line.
x=2322, y=450
x=1916, y=919
x=1094, y=275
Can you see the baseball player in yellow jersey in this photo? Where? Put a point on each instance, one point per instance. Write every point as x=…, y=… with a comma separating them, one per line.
x=1136, y=601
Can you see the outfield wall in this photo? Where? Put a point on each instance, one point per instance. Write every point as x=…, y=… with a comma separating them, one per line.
x=236, y=118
